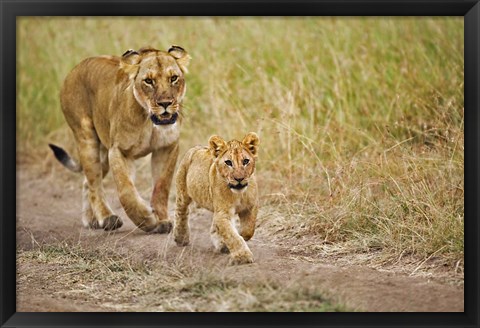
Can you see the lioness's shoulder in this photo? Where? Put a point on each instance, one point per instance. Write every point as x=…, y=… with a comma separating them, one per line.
x=99, y=61
x=95, y=66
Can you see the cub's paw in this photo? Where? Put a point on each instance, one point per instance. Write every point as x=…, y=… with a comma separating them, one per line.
x=181, y=235
x=220, y=246
x=241, y=257
x=182, y=240
x=112, y=222
x=218, y=243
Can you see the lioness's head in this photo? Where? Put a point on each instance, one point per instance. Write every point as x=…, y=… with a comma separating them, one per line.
x=158, y=80
x=235, y=160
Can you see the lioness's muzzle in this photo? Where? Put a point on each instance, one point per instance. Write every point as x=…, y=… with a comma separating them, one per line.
x=162, y=120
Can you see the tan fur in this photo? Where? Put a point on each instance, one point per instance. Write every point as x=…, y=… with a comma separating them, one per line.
x=204, y=177
x=111, y=104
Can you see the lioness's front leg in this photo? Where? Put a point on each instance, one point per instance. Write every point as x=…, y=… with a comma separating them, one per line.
x=135, y=206
x=163, y=167
x=96, y=211
x=222, y=227
x=181, y=230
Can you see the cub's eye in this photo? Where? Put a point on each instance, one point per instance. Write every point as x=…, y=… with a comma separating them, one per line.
x=174, y=78
x=148, y=81
x=246, y=161
x=229, y=162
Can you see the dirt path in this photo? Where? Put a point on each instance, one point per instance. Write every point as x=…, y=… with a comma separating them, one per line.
x=48, y=210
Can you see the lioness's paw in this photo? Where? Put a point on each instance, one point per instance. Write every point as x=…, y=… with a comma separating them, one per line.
x=109, y=223
x=93, y=224
x=224, y=249
x=241, y=257
x=112, y=222
x=163, y=227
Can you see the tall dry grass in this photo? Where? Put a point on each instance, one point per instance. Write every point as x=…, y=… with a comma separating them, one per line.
x=360, y=119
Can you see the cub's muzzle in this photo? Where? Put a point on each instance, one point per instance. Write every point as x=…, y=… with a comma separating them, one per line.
x=238, y=186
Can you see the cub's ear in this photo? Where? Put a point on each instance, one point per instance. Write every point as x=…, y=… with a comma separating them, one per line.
x=129, y=62
x=251, y=141
x=182, y=57
x=216, y=144
x=129, y=53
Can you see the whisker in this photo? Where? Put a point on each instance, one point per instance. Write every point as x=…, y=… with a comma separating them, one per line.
x=181, y=112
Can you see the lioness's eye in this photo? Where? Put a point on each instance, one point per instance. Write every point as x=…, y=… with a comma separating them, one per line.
x=228, y=162
x=148, y=81
x=173, y=78
x=246, y=161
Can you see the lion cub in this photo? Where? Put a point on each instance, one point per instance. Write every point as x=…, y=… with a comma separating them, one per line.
x=220, y=178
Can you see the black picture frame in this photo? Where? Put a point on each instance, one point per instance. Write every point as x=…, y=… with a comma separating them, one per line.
x=10, y=10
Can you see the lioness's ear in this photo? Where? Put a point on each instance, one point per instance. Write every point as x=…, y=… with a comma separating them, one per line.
x=129, y=62
x=216, y=145
x=182, y=57
x=251, y=141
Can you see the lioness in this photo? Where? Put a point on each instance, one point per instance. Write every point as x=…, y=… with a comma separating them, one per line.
x=120, y=109
x=220, y=178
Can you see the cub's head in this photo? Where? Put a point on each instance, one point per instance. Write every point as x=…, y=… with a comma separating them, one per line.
x=158, y=80
x=235, y=160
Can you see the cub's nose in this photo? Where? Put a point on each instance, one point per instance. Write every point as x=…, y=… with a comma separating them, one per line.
x=164, y=104
x=239, y=179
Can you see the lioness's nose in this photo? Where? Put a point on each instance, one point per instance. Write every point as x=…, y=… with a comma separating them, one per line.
x=239, y=179
x=164, y=104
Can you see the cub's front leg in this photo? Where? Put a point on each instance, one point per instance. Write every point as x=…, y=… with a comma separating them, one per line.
x=163, y=167
x=223, y=233
x=248, y=218
x=134, y=205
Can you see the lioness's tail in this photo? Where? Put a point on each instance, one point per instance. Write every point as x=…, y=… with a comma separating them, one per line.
x=65, y=159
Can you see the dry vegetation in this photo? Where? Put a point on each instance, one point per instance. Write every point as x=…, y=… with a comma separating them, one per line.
x=120, y=283
x=361, y=120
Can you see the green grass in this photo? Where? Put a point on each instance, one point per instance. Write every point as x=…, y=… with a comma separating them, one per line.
x=360, y=119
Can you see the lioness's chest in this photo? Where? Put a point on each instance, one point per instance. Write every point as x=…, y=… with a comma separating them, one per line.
x=153, y=138
x=164, y=135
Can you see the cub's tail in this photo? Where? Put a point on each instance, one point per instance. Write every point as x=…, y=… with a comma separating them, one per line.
x=65, y=159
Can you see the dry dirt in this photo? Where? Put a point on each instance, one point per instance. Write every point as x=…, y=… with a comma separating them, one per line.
x=48, y=212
